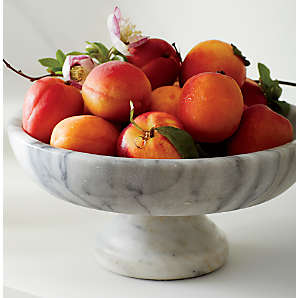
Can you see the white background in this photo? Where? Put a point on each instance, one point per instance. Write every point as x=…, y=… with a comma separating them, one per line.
x=48, y=243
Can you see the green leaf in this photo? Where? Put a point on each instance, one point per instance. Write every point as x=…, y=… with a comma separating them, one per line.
x=115, y=53
x=132, y=110
x=279, y=106
x=59, y=72
x=103, y=48
x=270, y=87
x=238, y=53
x=181, y=140
x=49, y=62
x=60, y=57
x=55, y=69
x=91, y=50
x=119, y=58
x=98, y=51
x=272, y=91
x=75, y=53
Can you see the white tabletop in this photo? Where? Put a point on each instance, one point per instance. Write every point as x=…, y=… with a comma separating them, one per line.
x=48, y=248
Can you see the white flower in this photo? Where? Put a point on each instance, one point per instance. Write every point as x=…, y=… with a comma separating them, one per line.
x=124, y=34
x=76, y=68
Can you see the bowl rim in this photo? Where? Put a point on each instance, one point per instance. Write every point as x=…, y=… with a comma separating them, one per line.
x=15, y=123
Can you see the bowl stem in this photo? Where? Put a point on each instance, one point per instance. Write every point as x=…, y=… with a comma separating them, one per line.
x=160, y=247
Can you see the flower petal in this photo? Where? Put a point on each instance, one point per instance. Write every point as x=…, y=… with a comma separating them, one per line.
x=113, y=25
x=66, y=68
x=120, y=46
x=117, y=13
x=88, y=64
x=83, y=60
x=138, y=42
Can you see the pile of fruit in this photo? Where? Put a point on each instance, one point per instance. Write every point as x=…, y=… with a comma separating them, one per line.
x=203, y=106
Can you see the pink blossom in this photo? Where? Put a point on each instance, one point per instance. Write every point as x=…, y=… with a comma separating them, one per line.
x=76, y=68
x=124, y=34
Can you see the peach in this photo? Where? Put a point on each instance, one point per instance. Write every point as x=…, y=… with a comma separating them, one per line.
x=47, y=102
x=166, y=99
x=176, y=84
x=110, y=86
x=252, y=93
x=131, y=144
x=210, y=107
x=213, y=56
x=159, y=61
x=86, y=111
x=85, y=133
x=260, y=129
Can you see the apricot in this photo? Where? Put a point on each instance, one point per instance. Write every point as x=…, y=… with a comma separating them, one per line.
x=213, y=56
x=252, y=93
x=210, y=107
x=85, y=133
x=260, y=129
x=131, y=144
x=159, y=61
x=110, y=86
x=166, y=99
x=47, y=102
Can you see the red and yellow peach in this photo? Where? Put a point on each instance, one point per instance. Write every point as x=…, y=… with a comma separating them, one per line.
x=134, y=143
x=110, y=86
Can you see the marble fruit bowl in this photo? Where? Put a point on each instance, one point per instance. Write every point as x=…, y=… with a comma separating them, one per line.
x=159, y=230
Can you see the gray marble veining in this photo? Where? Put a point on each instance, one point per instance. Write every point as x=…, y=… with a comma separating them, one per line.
x=157, y=187
x=165, y=234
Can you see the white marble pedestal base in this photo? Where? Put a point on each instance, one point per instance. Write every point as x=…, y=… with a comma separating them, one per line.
x=161, y=248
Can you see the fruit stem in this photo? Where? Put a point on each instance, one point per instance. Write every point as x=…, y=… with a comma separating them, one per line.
x=282, y=83
x=177, y=52
x=132, y=109
x=32, y=79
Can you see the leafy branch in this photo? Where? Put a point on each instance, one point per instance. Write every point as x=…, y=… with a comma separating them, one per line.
x=32, y=79
x=95, y=50
x=272, y=91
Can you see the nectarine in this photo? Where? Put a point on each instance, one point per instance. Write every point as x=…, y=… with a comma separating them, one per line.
x=159, y=61
x=131, y=141
x=47, y=102
x=260, y=129
x=252, y=93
